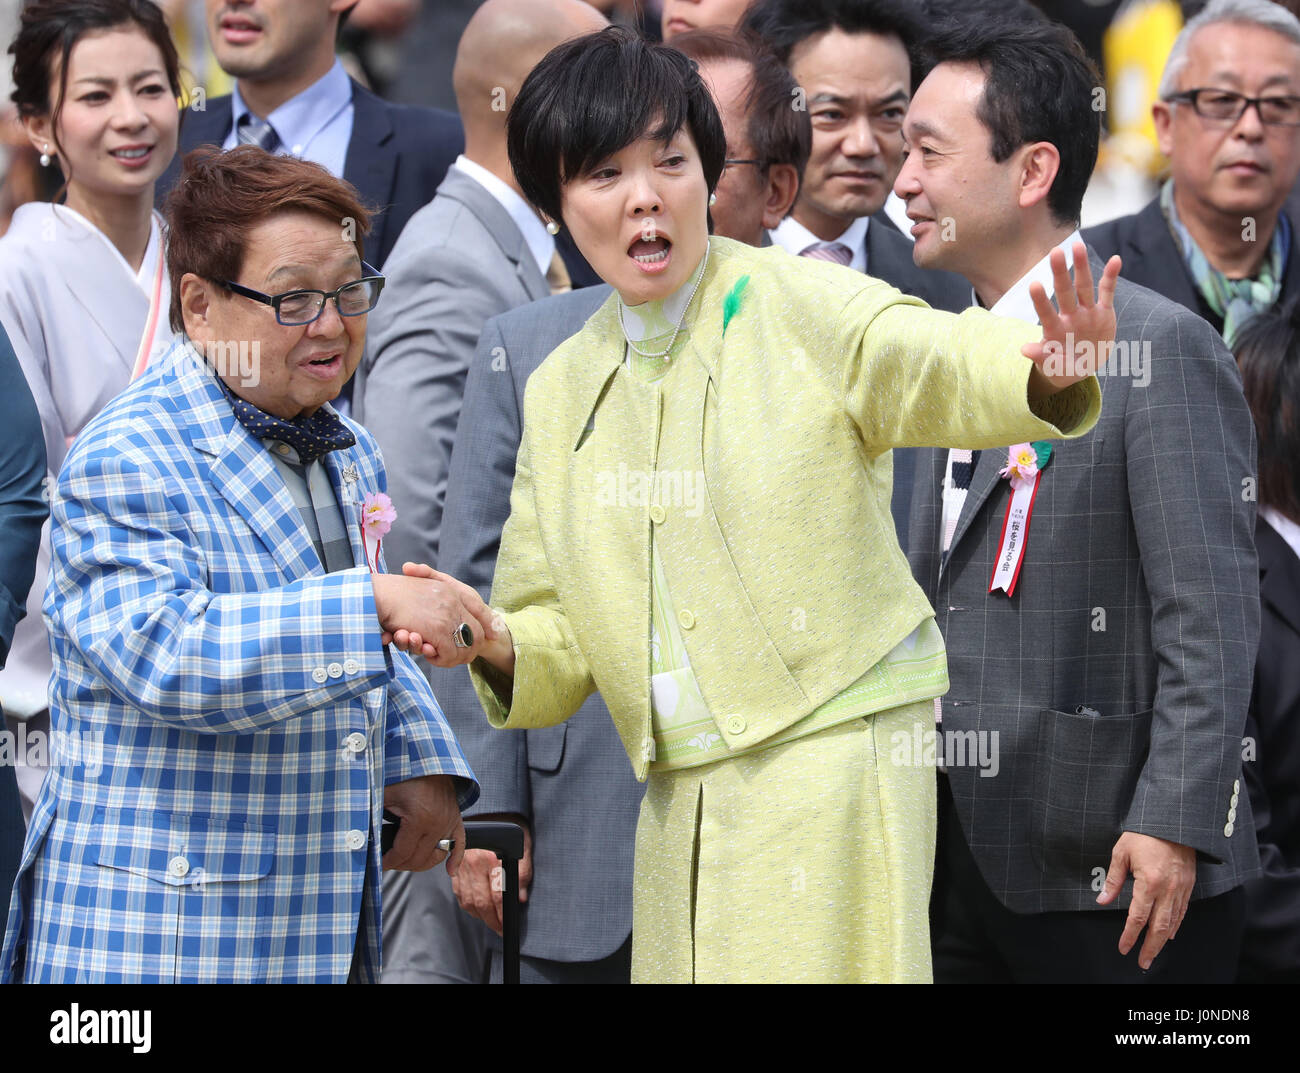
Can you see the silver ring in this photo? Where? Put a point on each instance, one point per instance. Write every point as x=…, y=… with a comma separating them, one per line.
x=463, y=636
x=447, y=844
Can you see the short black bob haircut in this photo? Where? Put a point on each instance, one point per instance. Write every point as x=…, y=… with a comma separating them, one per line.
x=594, y=95
x=1039, y=86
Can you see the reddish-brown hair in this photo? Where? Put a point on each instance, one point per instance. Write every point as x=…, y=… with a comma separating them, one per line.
x=221, y=196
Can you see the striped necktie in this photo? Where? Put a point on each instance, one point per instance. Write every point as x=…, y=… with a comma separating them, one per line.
x=259, y=132
x=955, y=488
x=962, y=467
x=835, y=252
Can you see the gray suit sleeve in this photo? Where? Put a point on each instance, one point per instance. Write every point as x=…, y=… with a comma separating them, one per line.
x=478, y=502
x=1190, y=448
x=420, y=340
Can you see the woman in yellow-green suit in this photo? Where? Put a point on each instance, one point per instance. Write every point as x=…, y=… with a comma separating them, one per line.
x=700, y=530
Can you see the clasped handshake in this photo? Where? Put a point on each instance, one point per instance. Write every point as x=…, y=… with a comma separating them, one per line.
x=444, y=620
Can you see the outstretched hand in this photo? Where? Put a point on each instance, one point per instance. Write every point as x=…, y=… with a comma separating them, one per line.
x=1081, y=332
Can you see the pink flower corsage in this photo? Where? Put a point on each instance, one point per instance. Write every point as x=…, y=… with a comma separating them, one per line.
x=1024, y=468
x=377, y=517
x=1022, y=465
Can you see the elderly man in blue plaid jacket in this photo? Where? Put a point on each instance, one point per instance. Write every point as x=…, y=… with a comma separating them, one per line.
x=226, y=713
x=230, y=722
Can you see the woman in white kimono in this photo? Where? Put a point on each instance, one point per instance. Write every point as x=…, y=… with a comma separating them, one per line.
x=83, y=284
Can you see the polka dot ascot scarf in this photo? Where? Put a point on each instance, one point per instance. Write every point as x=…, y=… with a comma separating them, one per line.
x=311, y=436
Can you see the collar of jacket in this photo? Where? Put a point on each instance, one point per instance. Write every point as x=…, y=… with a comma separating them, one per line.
x=75, y=257
x=704, y=315
x=465, y=190
x=244, y=473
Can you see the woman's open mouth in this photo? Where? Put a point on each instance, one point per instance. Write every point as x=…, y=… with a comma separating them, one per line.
x=651, y=254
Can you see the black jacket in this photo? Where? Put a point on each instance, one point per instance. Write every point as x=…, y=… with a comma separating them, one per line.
x=1152, y=259
x=1270, y=951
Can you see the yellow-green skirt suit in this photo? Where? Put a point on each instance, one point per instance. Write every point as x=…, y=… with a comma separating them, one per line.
x=711, y=547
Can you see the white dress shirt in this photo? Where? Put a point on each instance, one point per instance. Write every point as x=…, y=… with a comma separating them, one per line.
x=1016, y=302
x=540, y=242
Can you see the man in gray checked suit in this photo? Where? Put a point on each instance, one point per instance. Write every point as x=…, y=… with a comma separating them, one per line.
x=1093, y=727
x=571, y=785
x=476, y=250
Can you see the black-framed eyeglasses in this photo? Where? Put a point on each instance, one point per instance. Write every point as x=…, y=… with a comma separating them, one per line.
x=1225, y=106
x=296, y=308
x=730, y=161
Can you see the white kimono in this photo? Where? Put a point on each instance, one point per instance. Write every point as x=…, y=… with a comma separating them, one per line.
x=77, y=315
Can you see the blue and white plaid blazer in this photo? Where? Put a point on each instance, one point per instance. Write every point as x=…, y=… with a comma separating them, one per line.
x=224, y=714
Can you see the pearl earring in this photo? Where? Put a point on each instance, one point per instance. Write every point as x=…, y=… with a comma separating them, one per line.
x=45, y=156
x=713, y=199
x=552, y=228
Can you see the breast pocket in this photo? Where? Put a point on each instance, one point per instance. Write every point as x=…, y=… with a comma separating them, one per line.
x=1085, y=773
x=184, y=898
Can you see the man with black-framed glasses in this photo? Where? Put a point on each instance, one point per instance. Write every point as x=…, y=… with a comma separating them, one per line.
x=232, y=721
x=1216, y=239
x=299, y=308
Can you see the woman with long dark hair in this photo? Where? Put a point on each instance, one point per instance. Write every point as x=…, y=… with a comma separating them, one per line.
x=83, y=281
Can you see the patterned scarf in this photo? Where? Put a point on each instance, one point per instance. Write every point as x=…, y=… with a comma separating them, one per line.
x=311, y=436
x=1234, y=300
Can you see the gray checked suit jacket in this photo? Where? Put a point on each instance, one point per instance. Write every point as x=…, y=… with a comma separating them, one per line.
x=572, y=781
x=1118, y=675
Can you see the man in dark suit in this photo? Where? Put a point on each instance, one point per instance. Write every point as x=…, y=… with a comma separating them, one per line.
x=292, y=95
x=1100, y=610
x=1216, y=239
x=853, y=60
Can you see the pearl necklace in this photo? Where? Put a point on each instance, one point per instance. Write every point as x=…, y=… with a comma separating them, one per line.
x=664, y=353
